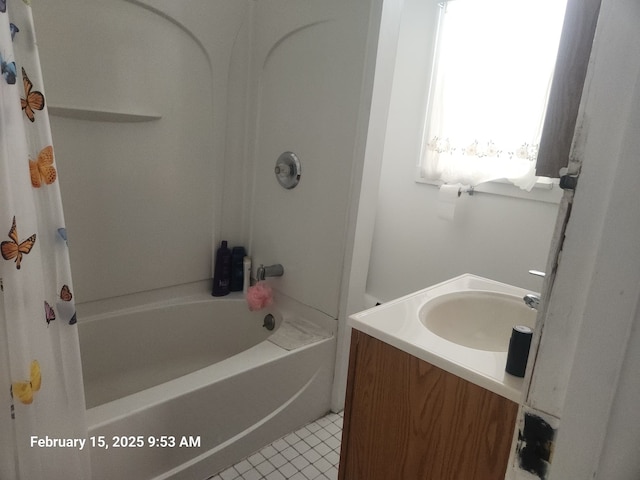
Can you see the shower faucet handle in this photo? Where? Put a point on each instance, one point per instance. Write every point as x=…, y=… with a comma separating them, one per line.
x=537, y=273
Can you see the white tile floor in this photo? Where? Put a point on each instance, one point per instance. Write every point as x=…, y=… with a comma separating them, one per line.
x=310, y=453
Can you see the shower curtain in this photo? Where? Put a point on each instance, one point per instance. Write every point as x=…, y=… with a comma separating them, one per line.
x=42, y=424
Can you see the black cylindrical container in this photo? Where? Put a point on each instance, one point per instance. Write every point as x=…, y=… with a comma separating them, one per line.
x=222, y=271
x=518, y=355
x=237, y=269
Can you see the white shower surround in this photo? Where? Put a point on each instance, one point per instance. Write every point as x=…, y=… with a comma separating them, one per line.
x=233, y=86
x=307, y=73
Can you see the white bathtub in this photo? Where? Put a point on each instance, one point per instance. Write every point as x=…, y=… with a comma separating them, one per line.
x=198, y=372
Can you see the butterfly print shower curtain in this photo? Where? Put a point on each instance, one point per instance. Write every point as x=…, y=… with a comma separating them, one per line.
x=41, y=391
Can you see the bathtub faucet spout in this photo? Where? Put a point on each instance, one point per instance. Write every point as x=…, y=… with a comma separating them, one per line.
x=263, y=272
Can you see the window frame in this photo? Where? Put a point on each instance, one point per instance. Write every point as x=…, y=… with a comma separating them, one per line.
x=546, y=188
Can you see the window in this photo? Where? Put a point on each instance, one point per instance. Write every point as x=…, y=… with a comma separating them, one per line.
x=491, y=76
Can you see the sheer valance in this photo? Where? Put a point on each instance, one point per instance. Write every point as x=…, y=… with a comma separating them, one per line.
x=492, y=72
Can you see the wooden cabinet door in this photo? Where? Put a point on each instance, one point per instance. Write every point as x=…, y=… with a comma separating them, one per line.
x=408, y=420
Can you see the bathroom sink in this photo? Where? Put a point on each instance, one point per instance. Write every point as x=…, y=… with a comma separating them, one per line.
x=476, y=319
x=462, y=325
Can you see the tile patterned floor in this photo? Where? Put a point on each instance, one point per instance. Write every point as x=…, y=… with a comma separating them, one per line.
x=310, y=453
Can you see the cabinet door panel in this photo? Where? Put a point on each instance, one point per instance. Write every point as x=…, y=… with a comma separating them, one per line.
x=406, y=419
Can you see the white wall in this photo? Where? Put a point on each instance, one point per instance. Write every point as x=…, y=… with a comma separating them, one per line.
x=139, y=196
x=307, y=74
x=493, y=236
x=228, y=86
x=398, y=238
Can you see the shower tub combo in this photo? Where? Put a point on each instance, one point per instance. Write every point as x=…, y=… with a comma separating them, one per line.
x=180, y=390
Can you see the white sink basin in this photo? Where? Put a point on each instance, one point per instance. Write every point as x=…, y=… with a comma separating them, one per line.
x=462, y=325
x=476, y=319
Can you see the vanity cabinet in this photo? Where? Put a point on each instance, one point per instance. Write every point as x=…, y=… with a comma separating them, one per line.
x=406, y=419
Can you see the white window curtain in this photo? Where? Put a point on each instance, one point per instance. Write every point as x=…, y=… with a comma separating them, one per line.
x=492, y=72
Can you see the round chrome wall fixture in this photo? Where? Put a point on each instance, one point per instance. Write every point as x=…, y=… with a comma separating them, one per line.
x=288, y=170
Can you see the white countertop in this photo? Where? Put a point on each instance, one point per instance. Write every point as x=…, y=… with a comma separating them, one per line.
x=397, y=324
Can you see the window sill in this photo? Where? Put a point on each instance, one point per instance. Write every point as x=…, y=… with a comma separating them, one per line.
x=546, y=190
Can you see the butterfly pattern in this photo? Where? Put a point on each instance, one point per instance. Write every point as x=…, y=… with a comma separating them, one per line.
x=36, y=290
x=49, y=313
x=8, y=70
x=15, y=249
x=67, y=296
x=33, y=99
x=62, y=233
x=65, y=293
x=25, y=390
x=14, y=29
x=42, y=169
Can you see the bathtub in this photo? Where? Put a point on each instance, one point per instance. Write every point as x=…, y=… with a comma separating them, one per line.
x=182, y=389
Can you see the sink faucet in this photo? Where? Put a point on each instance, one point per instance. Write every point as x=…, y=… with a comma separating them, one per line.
x=532, y=300
x=263, y=272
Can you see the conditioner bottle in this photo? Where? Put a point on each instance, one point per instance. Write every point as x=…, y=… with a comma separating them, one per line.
x=237, y=270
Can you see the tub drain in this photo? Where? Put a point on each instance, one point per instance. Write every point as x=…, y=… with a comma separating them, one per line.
x=269, y=322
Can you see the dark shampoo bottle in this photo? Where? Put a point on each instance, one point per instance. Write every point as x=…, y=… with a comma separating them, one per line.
x=222, y=271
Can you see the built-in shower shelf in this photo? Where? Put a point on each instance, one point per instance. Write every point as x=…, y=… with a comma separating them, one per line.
x=101, y=115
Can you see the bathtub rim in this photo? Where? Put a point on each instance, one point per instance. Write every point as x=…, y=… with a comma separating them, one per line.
x=92, y=312
x=195, y=292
